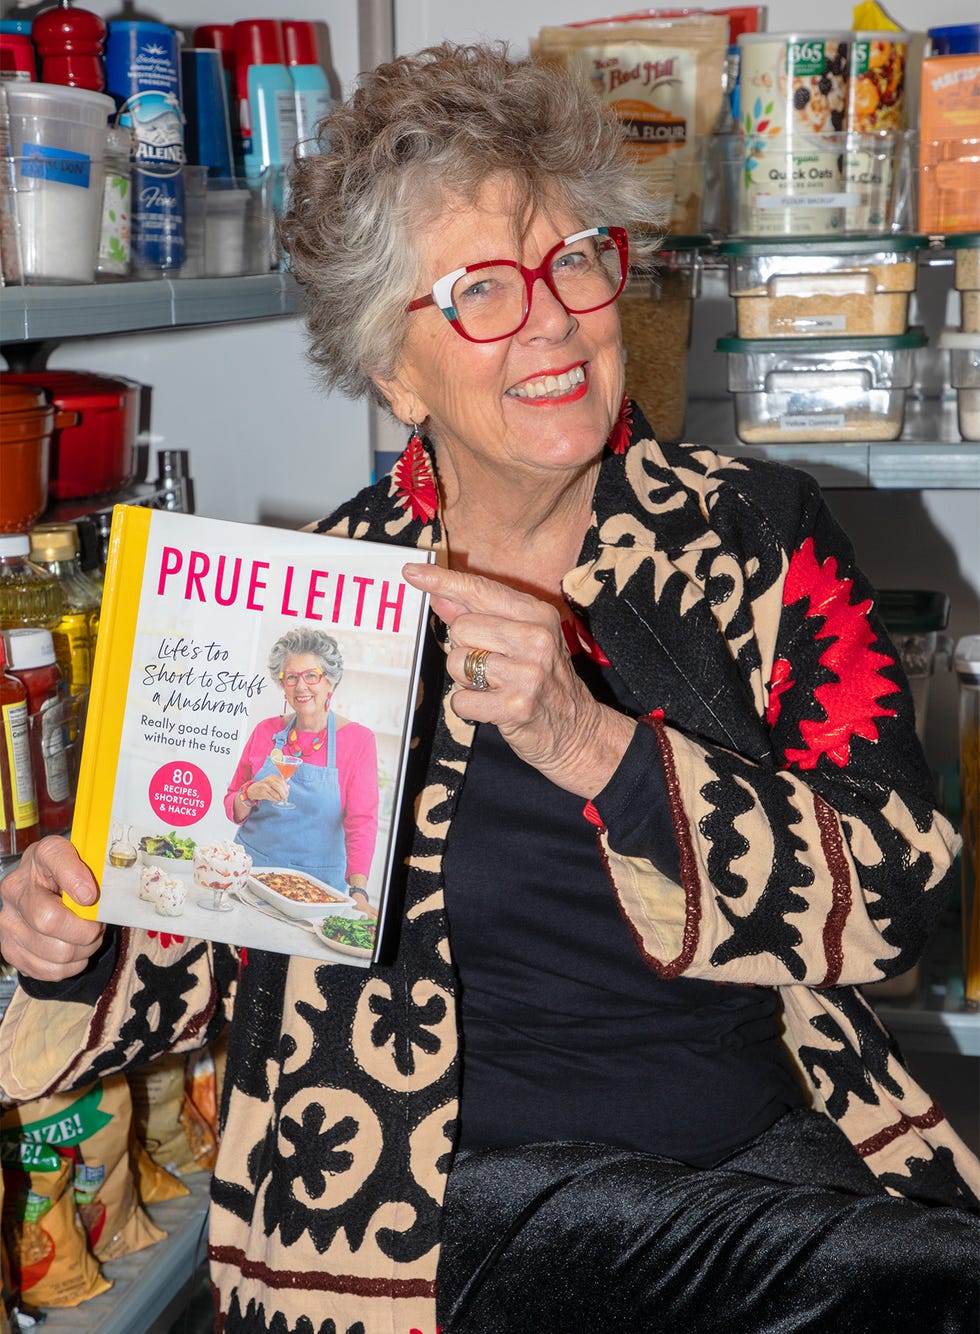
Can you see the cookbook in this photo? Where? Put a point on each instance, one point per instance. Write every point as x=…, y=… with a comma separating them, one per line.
x=243, y=762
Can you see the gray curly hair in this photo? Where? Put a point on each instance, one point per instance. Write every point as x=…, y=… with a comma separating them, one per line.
x=416, y=132
x=304, y=639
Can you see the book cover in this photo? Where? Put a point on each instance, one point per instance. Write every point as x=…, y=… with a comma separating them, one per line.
x=243, y=760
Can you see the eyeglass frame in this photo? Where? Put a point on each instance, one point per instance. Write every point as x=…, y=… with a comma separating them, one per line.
x=441, y=294
x=321, y=675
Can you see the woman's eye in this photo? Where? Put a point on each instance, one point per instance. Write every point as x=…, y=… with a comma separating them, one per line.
x=476, y=290
x=572, y=261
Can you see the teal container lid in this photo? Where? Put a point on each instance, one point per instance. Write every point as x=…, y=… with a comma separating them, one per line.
x=859, y=244
x=912, y=338
x=962, y=241
x=913, y=611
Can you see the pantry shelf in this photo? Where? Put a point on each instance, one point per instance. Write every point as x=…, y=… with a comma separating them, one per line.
x=31, y=314
x=929, y=455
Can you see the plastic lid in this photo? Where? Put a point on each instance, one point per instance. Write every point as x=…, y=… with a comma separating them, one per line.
x=28, y=648
x=959, y=340
x=259, y=42
x=966, y=658
x=823, y=245
x=54, y=542
x=29, y=99
x=299, y=41
x=962, y=240
x=784, y=38
x=956, y=30
x=913, y=611
x=855, y=343
x=14, y=544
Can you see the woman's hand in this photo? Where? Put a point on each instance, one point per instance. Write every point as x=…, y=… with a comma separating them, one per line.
x=542, y=709
x=39, y=936
x=271, y=788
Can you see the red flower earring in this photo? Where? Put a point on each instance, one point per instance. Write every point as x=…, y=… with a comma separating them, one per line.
x=415, y=484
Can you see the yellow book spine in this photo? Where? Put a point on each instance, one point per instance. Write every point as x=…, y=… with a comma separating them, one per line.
x=128, y=540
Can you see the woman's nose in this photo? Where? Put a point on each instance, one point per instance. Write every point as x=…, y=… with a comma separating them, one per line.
x=547, y=317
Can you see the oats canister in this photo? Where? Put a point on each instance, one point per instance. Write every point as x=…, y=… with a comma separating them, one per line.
x=793, y=106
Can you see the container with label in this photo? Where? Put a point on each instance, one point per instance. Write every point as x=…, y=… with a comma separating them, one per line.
x=57, y=146
x=949, y=144
x=19, y=824
x=143, y=76
x=792, y=103
x=309, y=78
x=825, y=390
x=29, y=595
x=787, y=287
x=876, y=121
x=115, y=233
x=266, y=99
x=31, y=658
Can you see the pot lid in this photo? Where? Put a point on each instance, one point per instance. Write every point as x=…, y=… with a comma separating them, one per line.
x=77, y=389
x=21, y=398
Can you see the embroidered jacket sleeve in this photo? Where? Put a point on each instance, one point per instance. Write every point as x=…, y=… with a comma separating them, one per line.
x=809, y=848
x=160, y=993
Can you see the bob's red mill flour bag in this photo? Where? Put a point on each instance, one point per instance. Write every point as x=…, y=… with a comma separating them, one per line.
x=663, y=77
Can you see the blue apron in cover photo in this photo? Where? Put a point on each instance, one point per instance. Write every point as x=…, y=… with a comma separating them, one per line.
x=308, y=835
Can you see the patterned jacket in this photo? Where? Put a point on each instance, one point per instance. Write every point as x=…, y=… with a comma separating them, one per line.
x=811, y=860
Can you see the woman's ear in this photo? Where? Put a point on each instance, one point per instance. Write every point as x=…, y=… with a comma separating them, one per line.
x=402, y=399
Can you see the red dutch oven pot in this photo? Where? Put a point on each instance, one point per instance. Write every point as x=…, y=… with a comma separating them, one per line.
x=27, y=420
x=97, y=453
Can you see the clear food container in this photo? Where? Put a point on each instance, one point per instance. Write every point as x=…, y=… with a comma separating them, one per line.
x=966, y=258
x=655, y=310
x=793, y=288
x=915, y=619
x=824, y=390
x=964, y=376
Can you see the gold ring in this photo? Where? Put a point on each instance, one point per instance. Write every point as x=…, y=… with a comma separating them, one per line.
x=475, y=668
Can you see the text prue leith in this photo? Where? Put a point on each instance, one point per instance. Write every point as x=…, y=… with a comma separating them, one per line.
x=191, y=695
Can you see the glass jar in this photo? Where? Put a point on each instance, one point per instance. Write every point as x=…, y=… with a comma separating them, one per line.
x=114, y=233
x=966, y=660
x=914, y=618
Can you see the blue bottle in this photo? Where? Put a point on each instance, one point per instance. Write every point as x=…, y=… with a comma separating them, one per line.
x=310, y=83
x=143, y=75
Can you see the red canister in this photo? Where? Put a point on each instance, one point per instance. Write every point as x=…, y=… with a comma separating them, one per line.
x=96, y=454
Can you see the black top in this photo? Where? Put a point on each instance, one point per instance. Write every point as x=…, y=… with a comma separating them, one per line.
x=567, y=1033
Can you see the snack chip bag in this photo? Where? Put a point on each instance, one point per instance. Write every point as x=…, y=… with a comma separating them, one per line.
x=158, y=1103
x=91, y=1128
x=45, y=1240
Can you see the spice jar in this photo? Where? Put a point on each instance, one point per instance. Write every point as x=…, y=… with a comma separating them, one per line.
x=31, y=659
x=114, y=234
x=19, y=825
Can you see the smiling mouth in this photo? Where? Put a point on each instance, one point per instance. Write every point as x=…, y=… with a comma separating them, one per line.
x=550, y=386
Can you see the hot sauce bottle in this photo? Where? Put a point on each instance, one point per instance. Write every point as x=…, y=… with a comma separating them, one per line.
x=19, y=824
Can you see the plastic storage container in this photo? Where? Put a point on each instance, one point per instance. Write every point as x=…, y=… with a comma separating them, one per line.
x=967, y=663
x=915, y=619
x=655, y=310
x=828, y=389
x=964, y=376
x=793, y=288
x=57, y=142
x=966, y=257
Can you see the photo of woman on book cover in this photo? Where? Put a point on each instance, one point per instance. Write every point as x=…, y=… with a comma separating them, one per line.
x=305, y=791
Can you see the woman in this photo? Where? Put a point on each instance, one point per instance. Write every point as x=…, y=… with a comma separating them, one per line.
x=324, y=819
x=720, y=785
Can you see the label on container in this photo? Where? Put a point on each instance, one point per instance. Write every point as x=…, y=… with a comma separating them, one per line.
x=41, y=163
x=17, y=739
x=813, y=421
x=793, y=100
x=53, y=754
x=114, y=236
x=820, y=323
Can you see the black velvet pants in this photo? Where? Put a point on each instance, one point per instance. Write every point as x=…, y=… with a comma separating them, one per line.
x=793, y=1233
